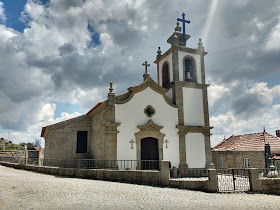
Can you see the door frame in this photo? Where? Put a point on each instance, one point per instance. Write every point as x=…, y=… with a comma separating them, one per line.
x=146, y=141
x=152, y=130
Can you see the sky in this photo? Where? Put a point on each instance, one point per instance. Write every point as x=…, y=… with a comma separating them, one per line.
x=57, y=58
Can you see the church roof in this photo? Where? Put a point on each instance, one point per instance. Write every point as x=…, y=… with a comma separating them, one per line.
x=249, y=142
x=121, y=99
x=95, y=107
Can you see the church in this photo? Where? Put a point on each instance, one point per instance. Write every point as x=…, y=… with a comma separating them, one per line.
x=163, y=120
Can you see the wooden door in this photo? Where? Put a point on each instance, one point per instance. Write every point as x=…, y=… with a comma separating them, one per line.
x=149, y=153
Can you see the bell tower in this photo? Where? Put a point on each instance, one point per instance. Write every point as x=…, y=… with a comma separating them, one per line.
x=181, y=70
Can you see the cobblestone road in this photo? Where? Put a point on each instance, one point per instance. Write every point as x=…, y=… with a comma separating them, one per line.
x=21, y=189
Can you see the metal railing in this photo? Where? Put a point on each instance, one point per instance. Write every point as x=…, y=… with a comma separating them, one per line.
x=189, y=173
x=233, y=179
x=88, y=163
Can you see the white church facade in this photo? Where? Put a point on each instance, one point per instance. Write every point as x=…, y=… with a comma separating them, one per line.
x=167, y=120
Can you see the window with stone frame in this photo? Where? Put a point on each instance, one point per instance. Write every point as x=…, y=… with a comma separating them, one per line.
x=246, y=162
x=222, y=162
x=82, y=137
x=149, y=111
x=189, y=69
x=165, y=75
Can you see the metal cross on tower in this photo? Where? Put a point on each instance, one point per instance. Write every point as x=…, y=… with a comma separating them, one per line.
x=183, y=20
x=146, y=66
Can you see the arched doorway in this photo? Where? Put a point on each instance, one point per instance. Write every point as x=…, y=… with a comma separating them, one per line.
x=149, y=153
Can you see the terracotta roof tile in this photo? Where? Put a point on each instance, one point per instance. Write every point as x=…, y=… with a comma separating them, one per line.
x=249, y=142
x=95, y=107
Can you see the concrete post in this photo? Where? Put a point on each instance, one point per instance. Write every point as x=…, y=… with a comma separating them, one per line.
x=175, y=172
x=255, y=183
x=40, y=156
x=208, y=153
x=164, y=174
x=212, y=183
x=25, y=155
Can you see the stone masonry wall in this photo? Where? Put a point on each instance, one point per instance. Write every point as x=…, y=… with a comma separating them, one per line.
x=61, y=142
x=233, y=159
x=271, y=185
x=103, y=144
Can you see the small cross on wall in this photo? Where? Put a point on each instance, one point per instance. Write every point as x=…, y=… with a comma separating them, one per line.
x=166, y=142
x=131, y=142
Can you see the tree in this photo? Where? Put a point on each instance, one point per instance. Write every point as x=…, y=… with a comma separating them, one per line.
x=30, y=146
x=37, y=143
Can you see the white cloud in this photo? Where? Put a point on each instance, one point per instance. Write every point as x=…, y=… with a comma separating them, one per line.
x=2, y=12
x=274, y=44
x=54, y=57
x=262, y=113
x=228, y=124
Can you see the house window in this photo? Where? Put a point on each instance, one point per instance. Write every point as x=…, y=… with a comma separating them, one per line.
x=246, y=162
x=82, y=142
x=165, y=75
x=221, y=162
x=190, y=71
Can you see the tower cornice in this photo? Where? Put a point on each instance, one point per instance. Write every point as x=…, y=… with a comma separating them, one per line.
x=180, y=48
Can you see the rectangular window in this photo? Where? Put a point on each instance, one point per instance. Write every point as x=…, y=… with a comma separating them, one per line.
x=221, y=162
x=246, y=162
x=82, y=142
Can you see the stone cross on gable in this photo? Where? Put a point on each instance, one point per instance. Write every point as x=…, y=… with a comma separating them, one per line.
x=146, y=66
x=131, y=142
x=166, y=141
x=183, y=20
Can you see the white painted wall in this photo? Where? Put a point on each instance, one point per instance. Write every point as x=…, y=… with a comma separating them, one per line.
x=193, y=107
x=131, y=114
x=182, y=62
x=169, y=59
x=195, y=150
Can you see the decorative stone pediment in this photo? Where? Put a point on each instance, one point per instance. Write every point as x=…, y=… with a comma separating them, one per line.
x=149, y=82
x=150, y=126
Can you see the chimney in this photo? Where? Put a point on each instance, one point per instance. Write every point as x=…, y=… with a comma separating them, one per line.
x=278, y=133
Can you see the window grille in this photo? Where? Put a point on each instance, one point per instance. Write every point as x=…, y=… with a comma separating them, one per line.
x=221, y=162
x=246, y=162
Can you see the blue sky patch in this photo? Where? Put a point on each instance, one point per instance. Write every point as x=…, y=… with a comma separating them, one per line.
x=94, y=38
x=13, y=9
x=69, y=108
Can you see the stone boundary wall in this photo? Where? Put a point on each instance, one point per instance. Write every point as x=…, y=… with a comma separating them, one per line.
x=210, y=185
x=13, y=153
x=152, y=178
x=132, y=176
x=264, y=185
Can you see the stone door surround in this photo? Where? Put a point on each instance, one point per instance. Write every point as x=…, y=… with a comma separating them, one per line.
x=150, y=129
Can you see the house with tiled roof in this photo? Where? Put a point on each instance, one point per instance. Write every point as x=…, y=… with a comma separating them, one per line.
x=246, y=151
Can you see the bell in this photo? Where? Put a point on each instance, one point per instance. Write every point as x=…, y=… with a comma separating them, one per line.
x=189, y=76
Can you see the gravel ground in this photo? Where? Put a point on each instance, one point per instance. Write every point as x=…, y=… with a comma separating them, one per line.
x=21, y=189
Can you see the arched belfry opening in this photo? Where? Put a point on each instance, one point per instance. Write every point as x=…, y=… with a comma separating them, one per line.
x=189, y=69
x=165, y=75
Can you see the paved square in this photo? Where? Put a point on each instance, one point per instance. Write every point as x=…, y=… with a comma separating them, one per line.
x=21, y=189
